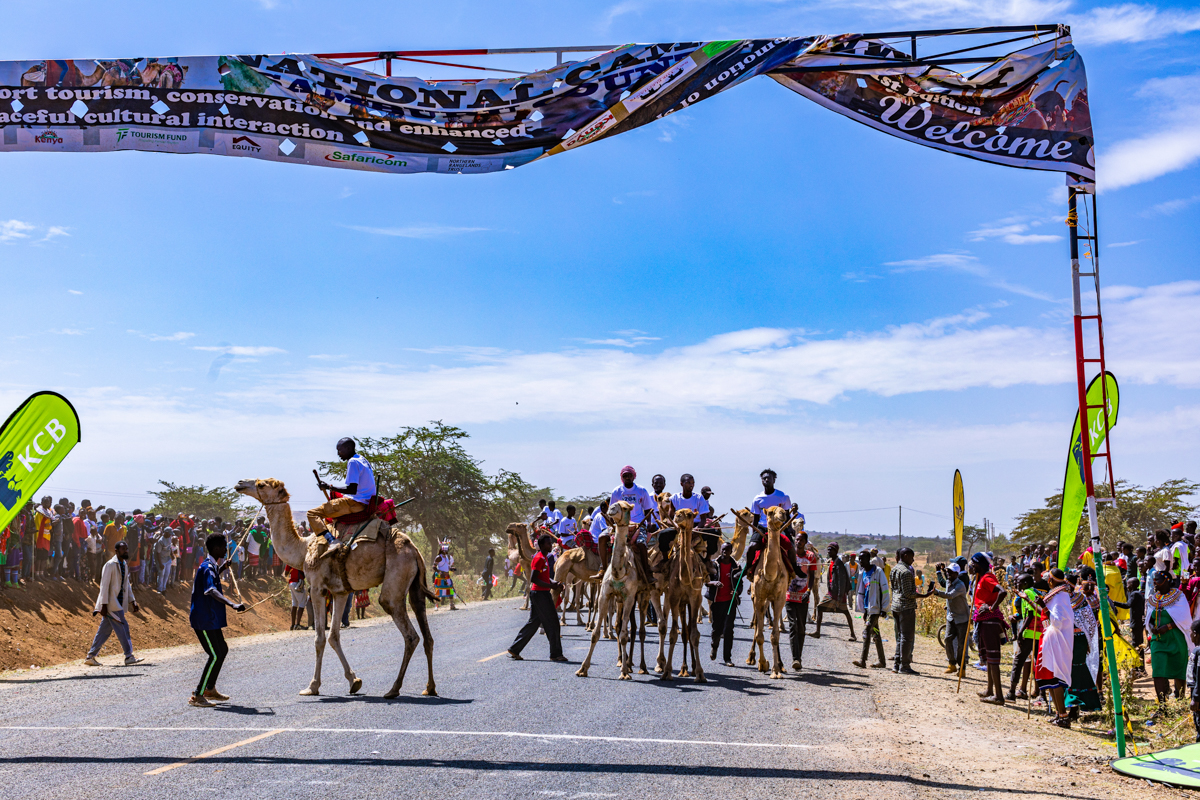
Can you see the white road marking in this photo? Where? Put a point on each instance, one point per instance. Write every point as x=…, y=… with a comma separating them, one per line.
x=504, y=734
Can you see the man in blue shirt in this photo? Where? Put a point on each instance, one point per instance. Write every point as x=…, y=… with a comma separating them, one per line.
x=207, y=617
x=357, y=494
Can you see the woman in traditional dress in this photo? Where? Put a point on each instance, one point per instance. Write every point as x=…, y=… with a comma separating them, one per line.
x=443, y=584
x=1168, y=619
x=1082, y=694
x=1052, y=669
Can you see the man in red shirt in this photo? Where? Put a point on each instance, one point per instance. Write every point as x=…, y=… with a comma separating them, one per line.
x=541, y=605
x=725, y=595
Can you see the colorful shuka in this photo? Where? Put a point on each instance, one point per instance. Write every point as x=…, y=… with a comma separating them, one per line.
x=443, y=584
x=1085, y=657
x=1168, y=651
x=362, y=599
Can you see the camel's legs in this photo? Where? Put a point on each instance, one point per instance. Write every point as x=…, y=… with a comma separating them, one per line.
x=760, y=638
x=582, y=672
x=777, y=670
x=685, y=637
x=694, y=637
x=623, y=637
x=645, y=604
x=314, y=688
x=750, y=659
x=666, y=675
x=416, y=597
x=335, y=640
x=392, y=600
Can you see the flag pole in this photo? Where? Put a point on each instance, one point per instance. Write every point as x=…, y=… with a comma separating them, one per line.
x=1085, y=435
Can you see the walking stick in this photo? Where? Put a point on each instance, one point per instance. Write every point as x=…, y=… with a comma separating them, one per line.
x=966, y=645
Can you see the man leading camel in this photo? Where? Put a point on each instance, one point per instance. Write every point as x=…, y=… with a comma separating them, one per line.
x=356, y=494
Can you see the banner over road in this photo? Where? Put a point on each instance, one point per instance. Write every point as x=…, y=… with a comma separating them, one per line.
x=1027, y=109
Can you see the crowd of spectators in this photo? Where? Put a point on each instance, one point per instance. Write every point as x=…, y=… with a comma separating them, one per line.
x=58, y=541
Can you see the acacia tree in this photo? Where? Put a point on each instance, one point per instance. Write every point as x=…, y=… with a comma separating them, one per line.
x=452, y=497
x=1139, y=511
x=200, y=500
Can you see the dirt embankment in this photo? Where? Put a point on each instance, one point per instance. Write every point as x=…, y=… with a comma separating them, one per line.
x=50, y=623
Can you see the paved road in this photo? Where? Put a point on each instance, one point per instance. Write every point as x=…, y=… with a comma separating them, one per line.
x=499, y=729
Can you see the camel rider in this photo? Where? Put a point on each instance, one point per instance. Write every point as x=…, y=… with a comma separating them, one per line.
x=770, y=498
x=599, y=538
x=688, y=499
x=642, y=515
x=567, y=528
x=357, y=494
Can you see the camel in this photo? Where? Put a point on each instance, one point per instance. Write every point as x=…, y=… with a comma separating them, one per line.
x=520, y=552
x=619, y=589
x=391, y=562
x=768, y=591
x=578, y=567
x=742, y=522
x=686, y=576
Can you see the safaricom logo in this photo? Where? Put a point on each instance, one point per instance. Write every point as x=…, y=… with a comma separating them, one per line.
x=381, y=160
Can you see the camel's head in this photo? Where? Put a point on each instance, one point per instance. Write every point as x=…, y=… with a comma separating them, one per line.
x=685, y=518
x=665, y=508
x=618, y=513
x=777, y=518
x=264, y=490
x=516, y=530
x=743, y=517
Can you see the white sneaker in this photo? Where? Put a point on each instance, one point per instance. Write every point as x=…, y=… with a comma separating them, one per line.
x=129, y=662
x=91, y=662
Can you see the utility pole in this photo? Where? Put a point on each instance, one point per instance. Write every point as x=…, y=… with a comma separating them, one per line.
x=901, y=527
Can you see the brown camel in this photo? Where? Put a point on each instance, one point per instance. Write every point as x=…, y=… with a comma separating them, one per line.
x=686, y=576
x=768, y=591
x=618, y=589
x=578, y=567
x=391, y=562
x=742, y=521
x=520, y=552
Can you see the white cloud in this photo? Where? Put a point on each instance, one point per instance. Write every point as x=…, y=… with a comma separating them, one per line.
x=1125, y=244
x=236, y=350
x=1171, y=206
x=67, y=331
x=1131, y=22
x=1013, y=231
x=417, y=231
x=1174, y=146
x=74, y=291
x=962, y=262
x=966, y=263
x=630, y=339
x=179, y=336
x=53, y=232
x=14, y=229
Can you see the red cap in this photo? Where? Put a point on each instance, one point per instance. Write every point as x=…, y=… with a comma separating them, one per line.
x=628, y=470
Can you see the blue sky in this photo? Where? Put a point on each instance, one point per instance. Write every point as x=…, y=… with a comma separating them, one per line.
x=753, y=282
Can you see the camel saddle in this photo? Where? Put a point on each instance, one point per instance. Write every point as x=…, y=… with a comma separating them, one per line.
x=355, y=533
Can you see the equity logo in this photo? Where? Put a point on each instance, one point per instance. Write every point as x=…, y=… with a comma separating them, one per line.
x=48, y=137
x=245, y=143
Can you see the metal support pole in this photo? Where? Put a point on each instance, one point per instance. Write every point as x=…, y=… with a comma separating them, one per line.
x=901, y=527
x=1086, y=460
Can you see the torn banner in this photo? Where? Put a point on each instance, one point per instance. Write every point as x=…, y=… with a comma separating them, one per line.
x=1028, y=109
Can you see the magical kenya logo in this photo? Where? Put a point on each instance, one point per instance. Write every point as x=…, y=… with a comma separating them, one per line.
x=48, y=137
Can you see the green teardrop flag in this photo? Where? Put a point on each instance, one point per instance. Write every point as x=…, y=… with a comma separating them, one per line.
x=959, y=512
x=1074, y=490
x=33, y=442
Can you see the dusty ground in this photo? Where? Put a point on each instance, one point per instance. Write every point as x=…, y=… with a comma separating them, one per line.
x=953, y=738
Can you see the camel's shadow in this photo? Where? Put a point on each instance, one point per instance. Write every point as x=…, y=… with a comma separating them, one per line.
x=245, y=710
x=406, y=699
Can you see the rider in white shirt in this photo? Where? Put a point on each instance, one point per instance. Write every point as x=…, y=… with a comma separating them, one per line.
x=643, y=512
x=770, y=498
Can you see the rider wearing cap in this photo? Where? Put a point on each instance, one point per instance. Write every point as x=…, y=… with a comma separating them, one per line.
x=357, y=494
x=770, y=498
x=640, y=516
